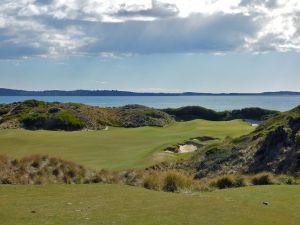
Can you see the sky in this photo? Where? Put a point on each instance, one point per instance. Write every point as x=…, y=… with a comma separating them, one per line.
x=150, y=45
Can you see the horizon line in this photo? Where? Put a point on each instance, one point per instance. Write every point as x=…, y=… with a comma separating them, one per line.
x=149, y=92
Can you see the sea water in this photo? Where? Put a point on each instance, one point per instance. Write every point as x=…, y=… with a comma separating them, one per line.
x=219, y=103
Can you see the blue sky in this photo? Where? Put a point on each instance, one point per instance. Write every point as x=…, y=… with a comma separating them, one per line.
x=150, y=45
x=159, y=72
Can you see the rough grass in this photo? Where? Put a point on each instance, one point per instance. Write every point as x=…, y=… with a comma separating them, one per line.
x=263, y=179
x=169, y=181
x=228, y=181
x=180, y=181
x=116, y=148
x=124, y=205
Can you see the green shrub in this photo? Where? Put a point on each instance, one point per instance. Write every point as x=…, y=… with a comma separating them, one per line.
x=263, y=179
x=194, y=112
x=34, y=120
x=298, y=139
x=252, y=113
x=62, y=120
x=3, y=111
x=197, y=112
x=66, y=121
x=290, y=180
x=53, y=110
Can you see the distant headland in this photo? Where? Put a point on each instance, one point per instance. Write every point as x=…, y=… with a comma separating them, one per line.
x=13, y=92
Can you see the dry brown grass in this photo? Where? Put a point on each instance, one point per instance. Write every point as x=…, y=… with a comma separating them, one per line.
x=264, y=178
x=169, y=181
x=153, y=181
x=236, y=180
x=228, y=181
x=38, y=169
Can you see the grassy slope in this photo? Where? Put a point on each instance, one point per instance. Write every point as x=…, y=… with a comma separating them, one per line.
x=274, y=146
x=113, y=204
x=116, y=148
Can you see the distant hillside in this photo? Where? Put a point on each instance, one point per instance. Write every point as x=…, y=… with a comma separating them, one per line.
x=11, y=92
x=274, y=146
x=198, y=112
x=33, y=114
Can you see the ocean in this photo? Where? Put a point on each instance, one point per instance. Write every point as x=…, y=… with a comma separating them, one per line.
x=219, y=103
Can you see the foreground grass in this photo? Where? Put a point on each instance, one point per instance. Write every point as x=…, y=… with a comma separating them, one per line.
x=115, y=148
x=114, y=204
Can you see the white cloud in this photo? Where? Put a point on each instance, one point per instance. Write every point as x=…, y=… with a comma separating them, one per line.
x=119, y=28
x=155, y=10
x=101, y=82
x=278, y=25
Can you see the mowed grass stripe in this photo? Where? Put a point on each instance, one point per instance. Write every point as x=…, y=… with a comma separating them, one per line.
x=116, y=148
x=124, y=205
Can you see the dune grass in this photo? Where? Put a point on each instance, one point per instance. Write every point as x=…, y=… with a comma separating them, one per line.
x=115, y=148
x=116, y=204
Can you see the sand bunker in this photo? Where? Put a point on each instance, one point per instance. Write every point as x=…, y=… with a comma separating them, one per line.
x=187, y=148
x=183, y=148
x=254, y=123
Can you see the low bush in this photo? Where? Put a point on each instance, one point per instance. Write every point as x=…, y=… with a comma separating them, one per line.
x=284, y=179
x=228, y=181
x=194, y=112
x=197, y=112
x=224, y=182
x=33, y=103
x=153, y=182
x=3, y=111
x=252, y=113
x=39, y=169
x=298, y=139
x=169, y=181
x=175, y=181
x=241, y=181
x=34, y=121
x=64, y=120
x=263, y=179
x=53, y=110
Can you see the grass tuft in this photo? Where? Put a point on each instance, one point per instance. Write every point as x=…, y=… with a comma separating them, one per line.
x=263, y=179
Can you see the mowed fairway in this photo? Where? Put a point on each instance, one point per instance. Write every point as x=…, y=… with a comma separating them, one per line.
x=115, y=148
x=125, y=205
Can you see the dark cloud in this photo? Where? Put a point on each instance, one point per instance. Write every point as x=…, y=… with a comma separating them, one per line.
x=197, y=33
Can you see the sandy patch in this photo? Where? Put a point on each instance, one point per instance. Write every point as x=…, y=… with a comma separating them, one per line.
x=187, y=148
x=167, y=151
x=254, y=123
